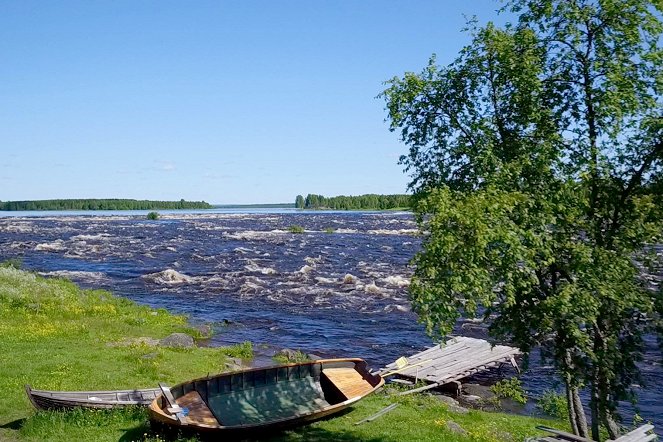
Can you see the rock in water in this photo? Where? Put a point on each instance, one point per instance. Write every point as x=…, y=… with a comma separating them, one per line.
x=178, y=340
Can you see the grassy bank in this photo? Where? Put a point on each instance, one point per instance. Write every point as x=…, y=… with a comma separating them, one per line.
x=57, y=336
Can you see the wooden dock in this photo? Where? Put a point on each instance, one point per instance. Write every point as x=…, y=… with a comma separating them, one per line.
x=456, y=359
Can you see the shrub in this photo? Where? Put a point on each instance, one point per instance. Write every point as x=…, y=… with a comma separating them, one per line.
x=511, y=389
x=330, y=230
x=553, y=404
x=296, y=229
x=153, y=215
x=295, y=357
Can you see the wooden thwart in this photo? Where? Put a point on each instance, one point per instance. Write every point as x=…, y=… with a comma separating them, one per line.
x=348, y=381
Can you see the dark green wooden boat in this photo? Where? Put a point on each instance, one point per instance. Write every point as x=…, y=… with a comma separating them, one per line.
x=264, y=398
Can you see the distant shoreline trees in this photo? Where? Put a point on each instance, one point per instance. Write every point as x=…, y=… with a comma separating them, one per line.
x=360, y=202
x=101, y=204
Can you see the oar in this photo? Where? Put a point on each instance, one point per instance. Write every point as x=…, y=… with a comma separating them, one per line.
x=378, y=414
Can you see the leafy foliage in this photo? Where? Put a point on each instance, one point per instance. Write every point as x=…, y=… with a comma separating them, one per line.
x=510, y=389
x=153, y=216
x=536, y=161
x=553, y=404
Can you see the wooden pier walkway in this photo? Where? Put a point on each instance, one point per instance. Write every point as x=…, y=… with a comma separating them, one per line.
x=456, y=359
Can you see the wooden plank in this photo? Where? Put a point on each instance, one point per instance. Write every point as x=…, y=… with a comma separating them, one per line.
x=173, y=408
x=637, y=435
x=563, y=434
x=199, y=413
x=349, y=381
x=460, y=364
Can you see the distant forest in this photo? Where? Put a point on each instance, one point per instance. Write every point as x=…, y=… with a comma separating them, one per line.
x=366, y=202
x=102, y=204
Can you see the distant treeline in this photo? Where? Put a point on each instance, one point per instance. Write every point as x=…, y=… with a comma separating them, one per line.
x=102, y=204
x=366, y=202
x=255, y=206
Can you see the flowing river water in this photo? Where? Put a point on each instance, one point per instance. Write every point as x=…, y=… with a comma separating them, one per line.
x=337, y=289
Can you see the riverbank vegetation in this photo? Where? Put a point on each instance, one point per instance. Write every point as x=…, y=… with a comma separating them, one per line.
x=536, y=159
x=58, y=336
x=102, y=204
x=359, y=202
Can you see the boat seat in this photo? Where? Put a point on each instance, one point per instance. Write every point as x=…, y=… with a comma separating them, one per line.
x=199, y=413
x=349, y=381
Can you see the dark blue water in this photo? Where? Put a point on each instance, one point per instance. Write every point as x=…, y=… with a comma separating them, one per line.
x=338, y=289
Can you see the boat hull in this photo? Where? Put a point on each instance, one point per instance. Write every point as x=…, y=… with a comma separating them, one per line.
x=265, y=398
x=67, y=400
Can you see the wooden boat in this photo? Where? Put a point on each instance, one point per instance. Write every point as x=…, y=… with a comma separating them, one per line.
x=65, y=400
x=264, y=398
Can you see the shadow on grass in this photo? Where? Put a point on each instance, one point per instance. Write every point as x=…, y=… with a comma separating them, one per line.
x=136, y=433
x=289, y=434
x=13, y=425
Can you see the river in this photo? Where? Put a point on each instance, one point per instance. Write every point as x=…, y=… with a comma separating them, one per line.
x=337, y=289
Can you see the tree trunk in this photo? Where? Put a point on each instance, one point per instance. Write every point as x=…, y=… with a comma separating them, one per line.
x=581, y=419
x=571, y=405
x=611, y=425
x=594, y=405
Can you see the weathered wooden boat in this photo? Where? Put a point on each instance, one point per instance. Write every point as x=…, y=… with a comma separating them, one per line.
x=264, y=398
x=65, y=400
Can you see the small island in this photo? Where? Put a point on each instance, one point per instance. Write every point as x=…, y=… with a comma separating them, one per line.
x=102, y=204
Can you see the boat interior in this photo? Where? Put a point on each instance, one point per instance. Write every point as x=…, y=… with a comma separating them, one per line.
x=271, y=394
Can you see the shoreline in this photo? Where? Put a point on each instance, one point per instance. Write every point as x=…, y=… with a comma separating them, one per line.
x=59, y=336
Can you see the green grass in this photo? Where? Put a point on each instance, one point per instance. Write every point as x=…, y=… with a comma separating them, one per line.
x=297, y=357
x=57, y=336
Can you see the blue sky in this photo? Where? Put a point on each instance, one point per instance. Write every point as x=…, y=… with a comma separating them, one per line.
x=223, y=101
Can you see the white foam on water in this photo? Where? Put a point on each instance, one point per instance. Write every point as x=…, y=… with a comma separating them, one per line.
x=77, y=275
x=397, y=280
x=323, y=280
x=17, y=227
x=249, y=287
x=99, y=236
x=396, y=307
x=392, y=232
x=255, y=235
x=305, y=269
x=350, y=279
x=168, y=277
x=252, y=266
x=313, y=261
x=55, y=246
x=243, y=250
x=372, y=288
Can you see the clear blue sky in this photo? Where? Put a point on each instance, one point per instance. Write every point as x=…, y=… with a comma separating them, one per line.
x=225, y=101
